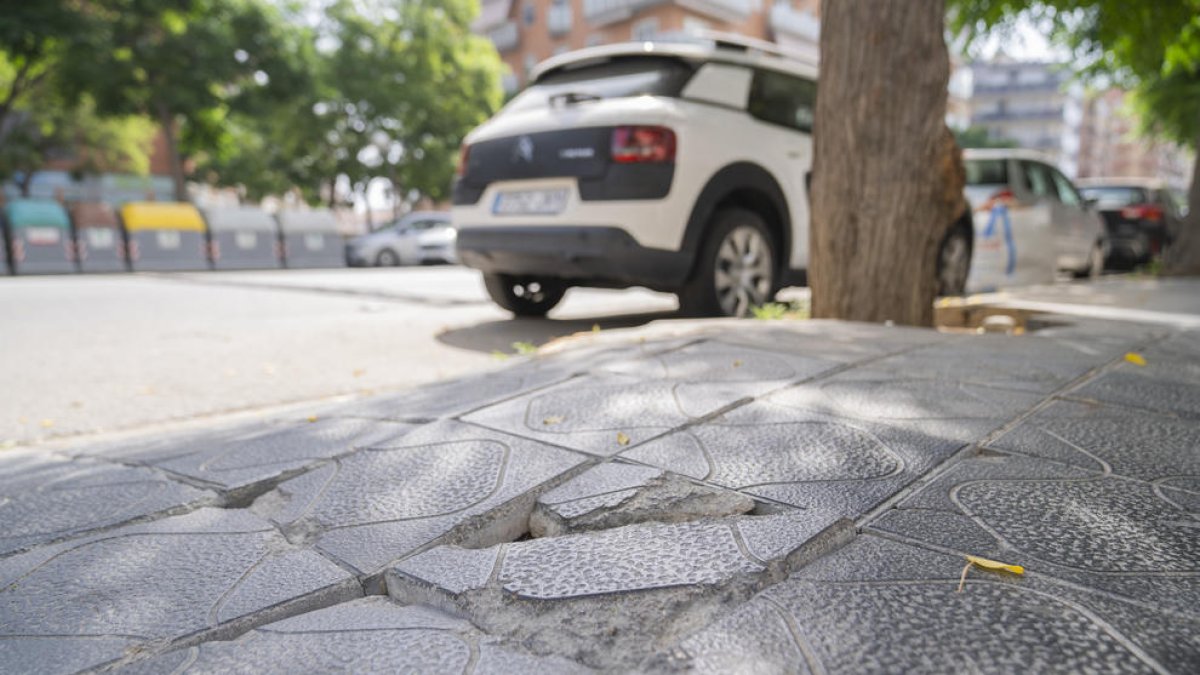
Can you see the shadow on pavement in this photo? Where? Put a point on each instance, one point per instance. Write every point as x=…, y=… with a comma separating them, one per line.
x=491, y=336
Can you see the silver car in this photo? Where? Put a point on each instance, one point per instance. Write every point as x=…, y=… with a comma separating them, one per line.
x=418, y=238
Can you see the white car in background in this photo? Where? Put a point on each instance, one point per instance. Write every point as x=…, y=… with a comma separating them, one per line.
x=1030, y=221
x=418, y=238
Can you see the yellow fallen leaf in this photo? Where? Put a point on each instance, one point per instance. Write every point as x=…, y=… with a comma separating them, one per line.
x=737, y=363
x=312, y=418
x=1135, y=358
x=994, y=565
x=622, y=438
x=552, y=420
x=595, y=328
x=359, y=372
x=47, y=423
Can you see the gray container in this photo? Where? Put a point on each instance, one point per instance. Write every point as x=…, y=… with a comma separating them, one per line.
x=39, y=237
x=165, y=236
x=242, y=238
x=311, y=239
x=99, y=242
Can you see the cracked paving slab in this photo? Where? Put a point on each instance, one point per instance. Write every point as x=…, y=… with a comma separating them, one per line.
x=642, y=398
x=376, y=505
x=372, y=634
x=879, y=606
x=234, y=459
x=609, y=598
x=136, y=589
x=44, y=498
x=614, y=494
x=1100, y=530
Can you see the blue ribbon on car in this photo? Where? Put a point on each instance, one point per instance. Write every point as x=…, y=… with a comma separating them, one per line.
x=1000, y=213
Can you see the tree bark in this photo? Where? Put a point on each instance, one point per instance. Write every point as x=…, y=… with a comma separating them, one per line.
x=167, y=121
x=1183, y=256
x=887, y=174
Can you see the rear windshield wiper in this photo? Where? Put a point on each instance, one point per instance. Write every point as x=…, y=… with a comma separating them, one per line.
x=571, y=98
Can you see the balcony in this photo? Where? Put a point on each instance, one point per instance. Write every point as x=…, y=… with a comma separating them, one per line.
x=795, y=24
x=492, y=13
x=603, y=12
x=505, y=37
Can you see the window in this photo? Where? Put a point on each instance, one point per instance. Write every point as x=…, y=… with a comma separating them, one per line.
x=1066, y=191
x=529, y=12
x=1115, y=197
x=618, y=77
x=987, y=171
x=783, y=99
x=646, y=29
x=1038, y=180
x=558, y=17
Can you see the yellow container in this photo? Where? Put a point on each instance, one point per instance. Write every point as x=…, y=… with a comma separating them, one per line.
x=141, y=216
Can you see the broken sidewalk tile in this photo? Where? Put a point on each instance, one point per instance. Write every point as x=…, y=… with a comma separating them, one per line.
x=44, y=498
x=372, y=634
x=376, y=505
x=609, y=598
x=881, y=606
x=617, y=493
x=1113, y=534
x=208, y=573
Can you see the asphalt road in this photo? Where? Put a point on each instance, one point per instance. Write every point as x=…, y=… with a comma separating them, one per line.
x=109, y=352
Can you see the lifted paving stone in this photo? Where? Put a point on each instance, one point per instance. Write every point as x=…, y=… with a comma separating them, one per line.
x=628, y=402
x=609, y=598
x=45, y=499
x=379, y=504
x=878, y=606
x=139, y=588
x=617, y=493
x=372, y=634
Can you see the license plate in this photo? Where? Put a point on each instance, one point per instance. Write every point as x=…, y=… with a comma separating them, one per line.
x=43, y=236
x=99, y=238
x=314, y=242
x=168, y=240
x=530, y=202
x=246, y=240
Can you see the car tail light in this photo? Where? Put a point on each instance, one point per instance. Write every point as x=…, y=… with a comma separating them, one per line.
x=1150, y=212
x=643, y=144
x=464, y=153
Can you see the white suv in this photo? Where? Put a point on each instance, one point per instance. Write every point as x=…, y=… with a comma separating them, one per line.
x=679, y=166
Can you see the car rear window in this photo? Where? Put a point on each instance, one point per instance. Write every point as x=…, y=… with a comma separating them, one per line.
x=1115, y=196
x=608, y=78
x=987, y=171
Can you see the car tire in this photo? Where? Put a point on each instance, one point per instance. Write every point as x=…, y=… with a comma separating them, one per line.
x=737, y=268
x=387, y=258
x=524, y=296
x=954, y=261
x=1095, y=266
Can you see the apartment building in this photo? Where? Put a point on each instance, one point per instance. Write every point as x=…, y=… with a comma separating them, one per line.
x=1034, y=104
x=527, y=32
x=1110, y=146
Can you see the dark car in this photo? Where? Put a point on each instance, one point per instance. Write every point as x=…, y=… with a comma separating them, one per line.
x=1140, y=217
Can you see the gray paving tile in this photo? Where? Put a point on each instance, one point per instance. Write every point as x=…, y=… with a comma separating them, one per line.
x=1094, y=529
x=44, y=498
x=376, y=505
x=616, y=493
x=1146, y=391
x=97, y=598
x=878, y=606
x=369, y=635
x=645, y=397
x=236, y=458
x=1109, y=439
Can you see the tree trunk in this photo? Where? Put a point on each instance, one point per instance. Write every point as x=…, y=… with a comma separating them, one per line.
x=167, y=121
x=1183, y=257
x=887, y=174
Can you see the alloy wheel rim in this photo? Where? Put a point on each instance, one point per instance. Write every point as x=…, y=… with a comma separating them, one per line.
x=743, y=271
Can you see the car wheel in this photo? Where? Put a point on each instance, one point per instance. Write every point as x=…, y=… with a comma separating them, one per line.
x=1095, y=266
x=387, y=258
x=954, y=262
x=736, y=270
x=524, y=296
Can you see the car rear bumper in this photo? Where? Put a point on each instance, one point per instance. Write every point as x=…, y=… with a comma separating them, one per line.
x=588, y=256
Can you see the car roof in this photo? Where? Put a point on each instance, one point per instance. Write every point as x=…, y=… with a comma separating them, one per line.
x=706, y=46
x=1007, y=153
x=1132, y=181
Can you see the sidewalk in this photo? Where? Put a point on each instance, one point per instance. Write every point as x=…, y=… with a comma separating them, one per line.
x=712, y=496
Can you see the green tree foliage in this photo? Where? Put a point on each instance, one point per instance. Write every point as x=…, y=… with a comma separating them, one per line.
x=978, y=137
x=33, y=35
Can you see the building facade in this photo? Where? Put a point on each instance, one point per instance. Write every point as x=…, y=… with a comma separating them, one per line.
x=1110, y=146
x=527, y=32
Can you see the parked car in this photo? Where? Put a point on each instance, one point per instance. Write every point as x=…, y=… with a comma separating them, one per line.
x=418, y=238
x=1030, y=221
x=679, y=166
x=1141, y=217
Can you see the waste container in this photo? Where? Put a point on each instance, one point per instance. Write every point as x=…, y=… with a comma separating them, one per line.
x=311, y=239
x=99, y=245
x=242, y=238
x=164, y=236
x=39, y=237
